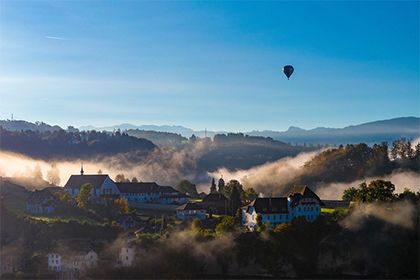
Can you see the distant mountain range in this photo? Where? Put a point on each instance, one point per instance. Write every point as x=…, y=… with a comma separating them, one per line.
x=371, y=132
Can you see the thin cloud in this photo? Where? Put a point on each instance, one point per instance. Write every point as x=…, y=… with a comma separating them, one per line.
x=54, y=38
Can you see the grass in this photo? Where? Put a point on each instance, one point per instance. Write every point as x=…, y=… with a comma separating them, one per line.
x=330, y=211
x=64, y=218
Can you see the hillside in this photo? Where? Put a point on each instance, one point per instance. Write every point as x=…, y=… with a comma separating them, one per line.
x=354, y=162
x=18, y=125
x=235, y=151
x=159, y=138
x=63, y=144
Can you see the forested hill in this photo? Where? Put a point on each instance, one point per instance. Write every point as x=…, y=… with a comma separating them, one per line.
x=352, y=162
x=236, y=150
x=64, y=144
x=165, y=139
x=19, y=125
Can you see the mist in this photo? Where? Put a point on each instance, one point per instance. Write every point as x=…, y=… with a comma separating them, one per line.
x=397, y=213
x=164, y=165
x=269, y=178
x=401, y=179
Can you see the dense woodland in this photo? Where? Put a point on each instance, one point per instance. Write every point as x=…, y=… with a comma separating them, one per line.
x=353, y=162
x=61, y=144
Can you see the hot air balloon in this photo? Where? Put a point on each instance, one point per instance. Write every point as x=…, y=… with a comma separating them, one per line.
x=288, y=70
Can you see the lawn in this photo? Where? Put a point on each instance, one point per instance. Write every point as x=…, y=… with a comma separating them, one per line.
x=64, y=218
x=330, y=211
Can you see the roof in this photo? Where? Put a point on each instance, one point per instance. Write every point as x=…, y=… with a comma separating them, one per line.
x=144, y=187
x=298, y=192
x=214, y=197
x=177, y=195
x=76, y=181
x=267, y=205
x=191, y=206
x=43, y=196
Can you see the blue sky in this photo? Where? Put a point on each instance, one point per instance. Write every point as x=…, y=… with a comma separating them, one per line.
x=214, y=65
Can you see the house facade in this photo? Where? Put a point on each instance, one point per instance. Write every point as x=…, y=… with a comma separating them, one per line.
x=126, y=257
x=150, y=192
x=41, y=202
x=103, y=186
x=54, y=262
x=73, y=263
x=191, y=211
x=299, y=202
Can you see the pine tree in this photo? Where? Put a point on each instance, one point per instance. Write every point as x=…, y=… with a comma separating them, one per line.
x=221, y=185
x=213, y=186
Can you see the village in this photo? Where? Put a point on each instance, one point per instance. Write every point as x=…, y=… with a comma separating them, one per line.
x=133, y=199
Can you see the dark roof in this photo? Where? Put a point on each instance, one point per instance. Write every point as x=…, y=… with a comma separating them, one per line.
x=298, y=192
x=268, y=205
x=53, y=189
x=215, y=197
x=144, y=187
x=191, y=206
x=170, y=195
x=43, y=196
x=168, y=189
x=76, y=181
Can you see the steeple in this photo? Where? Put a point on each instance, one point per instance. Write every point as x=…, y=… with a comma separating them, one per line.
x=81, y=170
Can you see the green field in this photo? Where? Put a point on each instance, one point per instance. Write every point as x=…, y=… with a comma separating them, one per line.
x=64, y=218
x=330, y=211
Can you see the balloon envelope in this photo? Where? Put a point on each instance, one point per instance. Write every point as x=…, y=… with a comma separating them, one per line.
x=288, y=70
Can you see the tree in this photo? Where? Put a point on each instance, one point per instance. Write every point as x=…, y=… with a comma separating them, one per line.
x=53, y=175
x=64, y=196
x=234, y=200
x=134, y=180
x=227, y=224
x=196, y=226
x=213, y=186
x=84, y=195
x=227, y=190
x=260, y=225
x=377, y=190
x=381, y=190
x=249, y=195
x=408, y=195
x=350, y=194
x=100, y=171
x=221, y=186
x=122, y=205
x=187, y=187
x=120, y=178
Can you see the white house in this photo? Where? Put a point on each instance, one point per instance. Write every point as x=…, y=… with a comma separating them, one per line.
x=299, y=202
x=126, y=256
x=191, y=211
x=102, y=185
x=74, y=263
x=54, y=262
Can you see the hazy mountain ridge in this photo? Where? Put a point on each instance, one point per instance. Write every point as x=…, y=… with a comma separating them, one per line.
x=370, y=132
